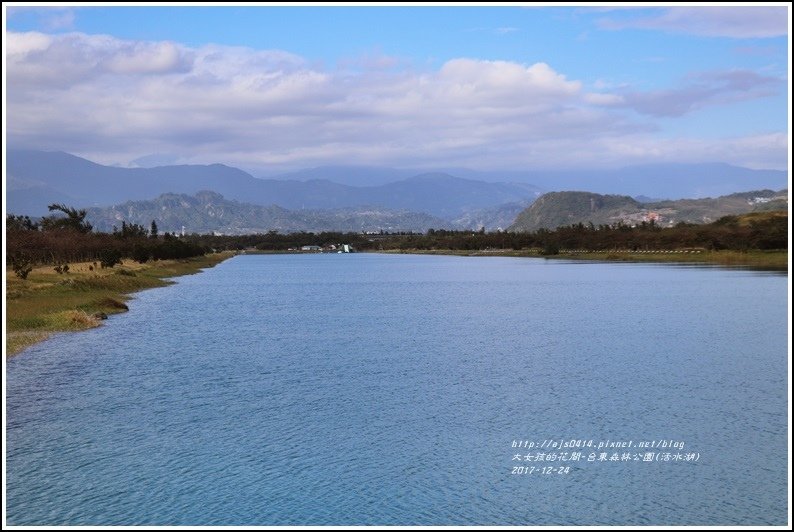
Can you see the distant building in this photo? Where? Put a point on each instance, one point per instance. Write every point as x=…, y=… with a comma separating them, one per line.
x=311, y=248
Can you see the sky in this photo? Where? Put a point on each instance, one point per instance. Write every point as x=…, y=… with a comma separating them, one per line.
x=278, y=88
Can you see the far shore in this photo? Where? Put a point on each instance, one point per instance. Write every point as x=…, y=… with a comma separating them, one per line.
x=48, y=302
x=776, y=260
x=761, y=260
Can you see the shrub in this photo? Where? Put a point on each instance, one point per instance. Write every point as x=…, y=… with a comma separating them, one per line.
x=82, y=319
x=109, y=257
x=22, y=266
x=550, y=249
x=141, y=253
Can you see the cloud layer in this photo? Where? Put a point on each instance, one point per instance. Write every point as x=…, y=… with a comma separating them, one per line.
x=117, y=101
x=701, y=90
x=711, y=21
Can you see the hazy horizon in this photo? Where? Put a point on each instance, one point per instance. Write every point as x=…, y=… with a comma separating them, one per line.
x=387, y=174
x=156, y=160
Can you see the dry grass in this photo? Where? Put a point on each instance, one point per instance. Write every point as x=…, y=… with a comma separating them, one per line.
x=48, y=302
x=80, y=319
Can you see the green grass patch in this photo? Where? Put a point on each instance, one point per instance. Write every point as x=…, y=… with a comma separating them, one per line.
x=29, y=322
x=110, y=303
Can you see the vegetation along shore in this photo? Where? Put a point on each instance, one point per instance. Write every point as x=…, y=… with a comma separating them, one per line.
x=758, y=240
x=761, y=260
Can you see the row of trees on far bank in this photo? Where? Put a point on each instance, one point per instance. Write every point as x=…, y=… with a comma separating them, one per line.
x=766, y=231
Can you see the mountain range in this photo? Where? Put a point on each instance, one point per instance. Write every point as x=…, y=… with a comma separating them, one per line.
x=209, y=212
x=662, y=180
x=36, y=179
x=367, y=196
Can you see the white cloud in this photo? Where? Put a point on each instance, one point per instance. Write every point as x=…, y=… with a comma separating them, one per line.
x=700, y=90
x=114, y=100
x=598, y=98
x=39, y=60
x=147, y=58
x=711, y=21
x=753, y=151
x=19, y=45
x=500, y=76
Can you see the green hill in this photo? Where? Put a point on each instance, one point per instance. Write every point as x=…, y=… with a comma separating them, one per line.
x=557, y=209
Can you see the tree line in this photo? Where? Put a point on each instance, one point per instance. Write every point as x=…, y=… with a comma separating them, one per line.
x=729, y=232
x=67, y=237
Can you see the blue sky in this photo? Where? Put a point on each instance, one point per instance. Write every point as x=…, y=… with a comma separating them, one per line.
x=274, y=88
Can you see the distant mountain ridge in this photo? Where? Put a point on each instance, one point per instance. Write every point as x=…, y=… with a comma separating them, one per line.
x=661, y=180
x=207, y=212
x=37, y=179
x=556, y=209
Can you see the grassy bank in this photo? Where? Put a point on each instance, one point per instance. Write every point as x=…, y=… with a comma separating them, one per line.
x=763, y=260
x=48, y=302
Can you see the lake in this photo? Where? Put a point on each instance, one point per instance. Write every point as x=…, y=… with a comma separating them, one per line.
x=376, y=389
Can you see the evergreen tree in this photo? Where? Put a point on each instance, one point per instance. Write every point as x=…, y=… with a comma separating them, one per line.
x=74, y=220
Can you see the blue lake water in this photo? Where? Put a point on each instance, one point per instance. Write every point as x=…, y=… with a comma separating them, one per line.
x=389, y=389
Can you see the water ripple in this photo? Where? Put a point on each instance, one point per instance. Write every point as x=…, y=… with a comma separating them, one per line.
x=385, y=390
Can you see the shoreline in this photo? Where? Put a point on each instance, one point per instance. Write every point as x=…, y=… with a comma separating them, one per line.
x=47, y=302
x=757, y=260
